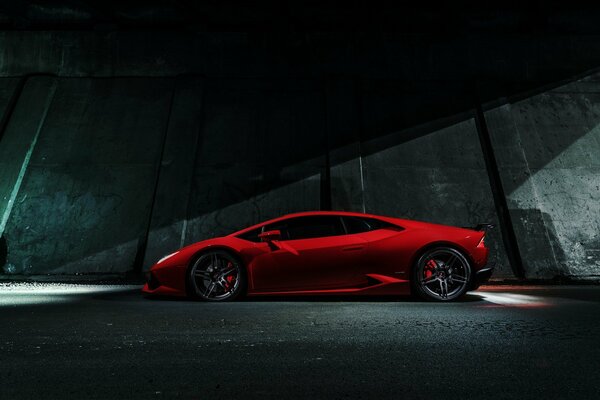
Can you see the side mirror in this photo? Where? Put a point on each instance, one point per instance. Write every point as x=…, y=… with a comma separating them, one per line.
x=269, y=236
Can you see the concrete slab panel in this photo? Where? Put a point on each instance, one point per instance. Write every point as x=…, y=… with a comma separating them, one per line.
x=547, y=148
x=343, y=136
x=7, y=90
x=259, y=139
x=169, y=213
x=19, y=137
x=85, y=199
x=439, y=177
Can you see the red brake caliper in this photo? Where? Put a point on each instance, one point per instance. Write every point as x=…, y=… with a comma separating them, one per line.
x=429, y=268
x=229, y=278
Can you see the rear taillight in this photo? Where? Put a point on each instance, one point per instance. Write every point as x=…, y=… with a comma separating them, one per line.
x=482, y=241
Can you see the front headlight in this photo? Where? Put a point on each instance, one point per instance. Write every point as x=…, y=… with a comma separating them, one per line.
x=167, y=257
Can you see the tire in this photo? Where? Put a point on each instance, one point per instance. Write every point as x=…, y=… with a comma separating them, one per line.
x=441, y=274
x=216, y=275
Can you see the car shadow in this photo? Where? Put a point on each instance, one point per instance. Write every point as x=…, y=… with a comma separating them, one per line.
x=469, y=298
x=354, y=299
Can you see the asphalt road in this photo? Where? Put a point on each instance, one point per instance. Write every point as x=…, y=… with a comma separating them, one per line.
x=108, y=342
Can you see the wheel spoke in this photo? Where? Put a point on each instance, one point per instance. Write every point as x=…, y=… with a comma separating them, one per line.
x=429, y=280
x=223, y=283
x=450, y=272
x=201, y=274
x=209, y=289
x=451, y=260
x=443, y=288
x=216, y=276
x=228, y=270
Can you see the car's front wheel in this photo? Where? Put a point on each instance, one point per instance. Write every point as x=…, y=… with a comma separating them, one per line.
x=441, y=274
x=216, y=276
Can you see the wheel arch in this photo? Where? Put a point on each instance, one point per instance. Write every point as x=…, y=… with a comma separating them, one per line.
x=438, y=243
x=208, y=249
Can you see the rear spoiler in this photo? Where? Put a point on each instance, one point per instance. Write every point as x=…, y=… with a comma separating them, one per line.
x=481, y=227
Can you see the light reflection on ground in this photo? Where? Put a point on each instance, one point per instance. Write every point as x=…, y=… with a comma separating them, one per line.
x=28, y=293
x=31, y=293
x=513, y=300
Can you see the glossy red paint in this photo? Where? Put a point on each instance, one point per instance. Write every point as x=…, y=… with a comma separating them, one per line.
x=377, y=262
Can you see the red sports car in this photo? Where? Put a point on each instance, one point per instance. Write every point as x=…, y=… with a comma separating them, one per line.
x=318, y=253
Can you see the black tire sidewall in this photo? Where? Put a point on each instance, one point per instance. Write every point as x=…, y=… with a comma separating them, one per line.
x=241, y=289
x=422, y=294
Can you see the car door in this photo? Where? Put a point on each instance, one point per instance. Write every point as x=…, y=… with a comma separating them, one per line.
x=385, y=247
x=314, y=253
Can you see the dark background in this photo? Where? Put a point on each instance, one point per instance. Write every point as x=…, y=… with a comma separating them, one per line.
x=128, y=129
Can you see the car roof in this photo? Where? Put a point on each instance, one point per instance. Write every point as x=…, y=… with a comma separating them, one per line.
x=309, y=214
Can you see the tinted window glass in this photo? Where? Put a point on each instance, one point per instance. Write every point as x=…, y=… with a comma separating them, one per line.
x=252, y=235
x=278, y=226
x=359, y=225
x=356, y=225
x=308, y=227
x=379, y=224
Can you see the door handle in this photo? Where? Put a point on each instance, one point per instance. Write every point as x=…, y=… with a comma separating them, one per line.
x=353, y=248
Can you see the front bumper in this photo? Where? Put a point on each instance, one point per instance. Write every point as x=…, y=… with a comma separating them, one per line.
x=168, y=281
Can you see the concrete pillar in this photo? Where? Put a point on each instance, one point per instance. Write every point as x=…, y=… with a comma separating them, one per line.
x=343, y=130
x=168, y=223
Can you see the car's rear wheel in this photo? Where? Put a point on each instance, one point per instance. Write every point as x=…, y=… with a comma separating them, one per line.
x=216, y=275
x=441, y=274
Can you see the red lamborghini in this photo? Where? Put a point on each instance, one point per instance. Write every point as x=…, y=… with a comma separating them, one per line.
x=318, y=253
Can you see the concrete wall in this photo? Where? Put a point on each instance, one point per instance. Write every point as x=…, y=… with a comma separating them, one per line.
x=88, y=165
x=547, y=148
x=168, y=224
x=133, y=148
x=439, y=177
x=254, y=158
x=433, y=172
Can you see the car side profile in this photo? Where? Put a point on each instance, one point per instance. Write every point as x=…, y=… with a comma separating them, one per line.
x=325, y=253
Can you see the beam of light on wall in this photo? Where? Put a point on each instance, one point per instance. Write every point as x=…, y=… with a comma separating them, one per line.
x=17, y=294
x=567, y=192
x=25, y=164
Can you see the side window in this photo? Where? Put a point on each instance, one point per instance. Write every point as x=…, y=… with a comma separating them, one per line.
x=281, y=226
x=319, y=226
x=308, y=227
x=356, y=225
x=252, y=235
x=359, y=225
x=379, y=224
